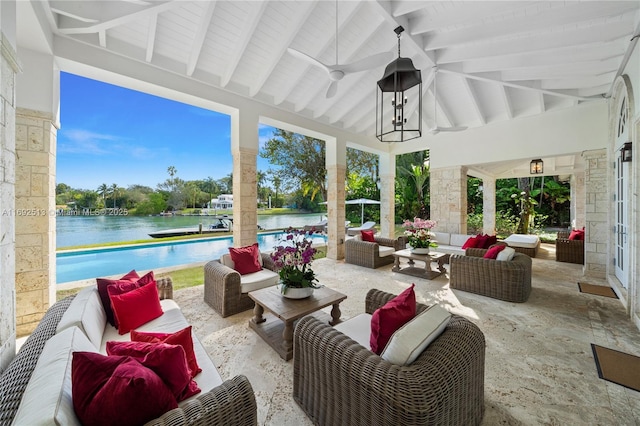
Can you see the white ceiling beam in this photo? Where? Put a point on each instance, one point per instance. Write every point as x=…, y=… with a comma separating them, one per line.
x=102, y=38
x=120, y=19
x=578, y=82
x=474, y=101
x=593, y=91
x=541, y=102
x=295, y=25
x=506, y=100
x=201, y=33
x=248, y=28
x=555, y=15
x=578, y=69
x=151, y=37
x=404, y=7
x=73, y=16
x=545, y=42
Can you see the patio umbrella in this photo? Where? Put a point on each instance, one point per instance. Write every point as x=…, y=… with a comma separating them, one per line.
x=362, y=202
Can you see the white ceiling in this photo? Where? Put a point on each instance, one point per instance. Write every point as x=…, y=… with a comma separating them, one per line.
x=498, y=60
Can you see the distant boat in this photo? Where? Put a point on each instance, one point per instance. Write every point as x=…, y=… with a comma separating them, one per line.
x=222, y=225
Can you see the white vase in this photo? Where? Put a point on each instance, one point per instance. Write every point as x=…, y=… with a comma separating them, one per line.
x=297, y=293
x=420, y=250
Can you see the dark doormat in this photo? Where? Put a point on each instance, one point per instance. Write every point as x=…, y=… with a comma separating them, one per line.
x=598, y=290
x=617, y=367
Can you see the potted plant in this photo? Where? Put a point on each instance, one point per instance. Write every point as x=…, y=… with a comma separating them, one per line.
x=292, y=256
x=419, y=235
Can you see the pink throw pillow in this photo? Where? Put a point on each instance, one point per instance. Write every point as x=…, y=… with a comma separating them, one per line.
x=116, y=390
x=136, y=307
x=103, y=283
x=390, y=317
x=167, y=361
x=492, y=253
x=470, y=243
x=246, y=259
x=182, y=338
x=368, y=236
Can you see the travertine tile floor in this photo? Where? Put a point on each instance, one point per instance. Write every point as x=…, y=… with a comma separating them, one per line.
x=539, y=364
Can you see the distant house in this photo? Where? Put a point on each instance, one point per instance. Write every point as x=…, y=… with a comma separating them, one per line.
x=224, y=201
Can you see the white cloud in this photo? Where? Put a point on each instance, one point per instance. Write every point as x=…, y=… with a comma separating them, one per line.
x=79, y=141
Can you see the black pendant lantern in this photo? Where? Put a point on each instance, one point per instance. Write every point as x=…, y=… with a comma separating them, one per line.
x=536, y=167
x=400, y=90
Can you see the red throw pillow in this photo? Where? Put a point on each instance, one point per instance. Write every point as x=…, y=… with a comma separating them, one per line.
x=182, y=338
x=368, y=236
x=576, y=234
x=491, y=240
x=167, y=361
x=470, y=243
x=116, y=390
x=103, y=283
x=492, y=253
x=390, y=317
x=481, y=240
x=136, y=307
x=246, y=259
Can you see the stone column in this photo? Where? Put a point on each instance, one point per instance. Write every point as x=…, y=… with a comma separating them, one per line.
x=449, y=199
x=578, y=200
x=244, y=149
x=336, y=163
x=35, y=217
x=597, y=229
x=387, y=194
x=489, y=206
x=8, y=69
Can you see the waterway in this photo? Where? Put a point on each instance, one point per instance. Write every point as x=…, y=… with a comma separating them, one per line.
x=83, y=230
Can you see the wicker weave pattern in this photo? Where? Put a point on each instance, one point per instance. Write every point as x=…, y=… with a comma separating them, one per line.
x=338, y=382
x=15, y=378
x=367, y=254
x=222, y=287
x=508, y=280
x=567, y=250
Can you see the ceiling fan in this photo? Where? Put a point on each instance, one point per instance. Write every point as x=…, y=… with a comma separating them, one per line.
x=338, y=71
x=437, y=129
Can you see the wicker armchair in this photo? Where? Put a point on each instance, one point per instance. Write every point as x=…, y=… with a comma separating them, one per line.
x=567, y=250
x=503, y=280
x=367, y=254
x=222, y=289
x=336, y=381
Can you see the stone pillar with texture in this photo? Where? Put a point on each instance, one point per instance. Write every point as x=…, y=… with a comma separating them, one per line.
x=244, y=149
x=387, y=195
x=578, y=201
x=336, y=163
x=597, y=196
x=449, y=199
x=489, y=206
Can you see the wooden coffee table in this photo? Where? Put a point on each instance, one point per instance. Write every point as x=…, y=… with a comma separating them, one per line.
x=426, y=272
x=279, y=334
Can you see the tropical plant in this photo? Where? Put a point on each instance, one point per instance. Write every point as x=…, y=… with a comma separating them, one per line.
x=292, y=256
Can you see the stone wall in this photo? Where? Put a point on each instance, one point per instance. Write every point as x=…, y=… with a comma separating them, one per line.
x=449, y=199
x=578, y=200
x=597, y=198
x=336, y=175
x=245, y=194
x=35, y=217
x=8, y=69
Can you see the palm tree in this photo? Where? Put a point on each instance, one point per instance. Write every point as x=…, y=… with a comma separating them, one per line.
x=103, y=190
x=115, y=191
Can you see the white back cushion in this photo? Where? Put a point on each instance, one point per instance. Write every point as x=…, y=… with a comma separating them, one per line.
x=459, y=239
x=442, y=238
x=507, y=253
x=86, y=312
x=47, y=398
x=410, y=340
x=225, y=259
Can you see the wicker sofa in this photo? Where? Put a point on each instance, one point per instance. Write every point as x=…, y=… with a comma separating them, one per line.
x=34, y=372
x=227, y=292
x=336, y=381
x=372, y=255
x=567, y=250
x=503, y=280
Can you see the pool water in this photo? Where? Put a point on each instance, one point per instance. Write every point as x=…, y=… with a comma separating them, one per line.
x=85, y=264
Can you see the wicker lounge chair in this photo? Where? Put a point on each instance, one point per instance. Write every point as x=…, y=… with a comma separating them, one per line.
x=504, y=280
x=368, y=254
x=567, y=250
x=223, y=290
x=336, y=381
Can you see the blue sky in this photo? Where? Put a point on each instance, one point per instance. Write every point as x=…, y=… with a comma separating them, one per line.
x=110, y=134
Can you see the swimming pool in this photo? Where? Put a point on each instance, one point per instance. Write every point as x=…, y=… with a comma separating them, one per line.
x=84, y=264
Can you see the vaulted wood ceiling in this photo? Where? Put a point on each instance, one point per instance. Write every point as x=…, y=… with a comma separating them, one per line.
x=498, y=60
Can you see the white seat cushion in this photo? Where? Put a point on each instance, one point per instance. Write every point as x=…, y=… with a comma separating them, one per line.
x=442, y=238
x=459, y=239
x=522, y=240
x=257, y=280
x=385, y=251
x=47, y=398
x=410, y=340
x=357, y=328
x=86, y=312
